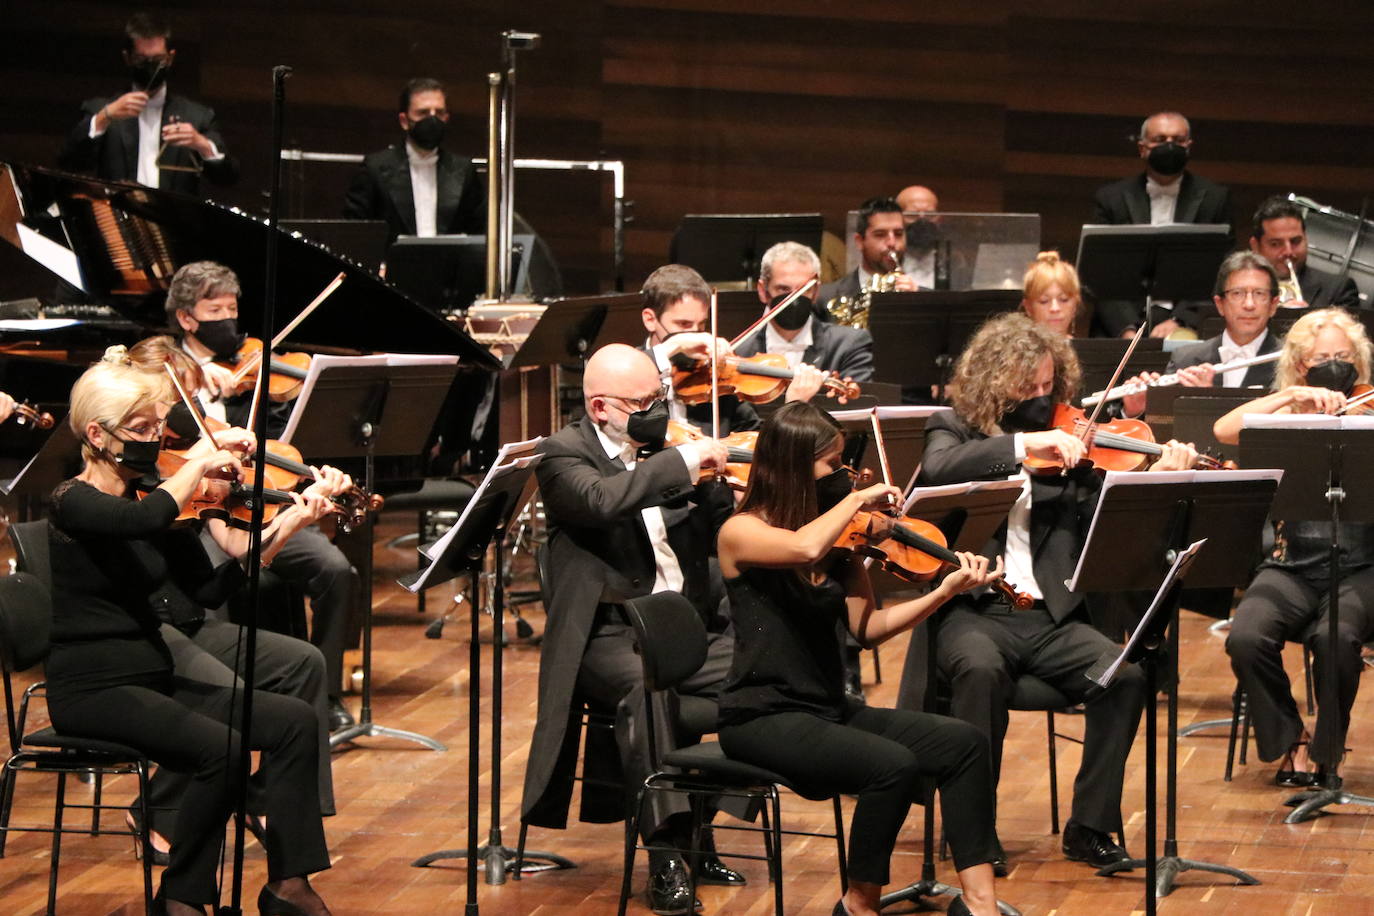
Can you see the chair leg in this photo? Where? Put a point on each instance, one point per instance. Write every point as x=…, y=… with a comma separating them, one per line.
x=7, y=778
x=841, y=853
x=776, y=863
x=1244, y=729
x=631, y=842
x=877, y=666
x=1054, y=772
x=95, y=808
x=1307, y=678
x=144, y=838
x=58, y=804
x=696, y=802
x=520, y=849
x=420, y=534
x=1237, y=700
x=766, y=820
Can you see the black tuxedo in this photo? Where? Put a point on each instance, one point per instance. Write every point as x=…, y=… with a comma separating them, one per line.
x=1124, y=203
x=113, y=156
x=1209, y=351
x=599, y=555
x=382, y=191
x=983, y=647
x=1319, y=289
x=834, y=348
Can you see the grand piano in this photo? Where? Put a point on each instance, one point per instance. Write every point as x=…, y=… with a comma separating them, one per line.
x=113, y=247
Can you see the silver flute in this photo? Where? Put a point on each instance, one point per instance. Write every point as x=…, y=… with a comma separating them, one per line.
x=1130, y=388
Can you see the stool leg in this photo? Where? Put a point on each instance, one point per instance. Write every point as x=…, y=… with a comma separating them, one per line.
x=841, y=853
x=58, y=804
x=520, y=850
x=1236, y=701
x=95, y=808
x=776, y=863
x=1054, y=773
x=631, y=843
x=1244, y=728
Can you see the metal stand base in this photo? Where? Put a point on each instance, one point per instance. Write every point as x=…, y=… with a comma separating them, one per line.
x=924, y=889
x=373, y=730
x=499, y=861
x=1307, y=805
x=1168, y=868
x=1189, y=730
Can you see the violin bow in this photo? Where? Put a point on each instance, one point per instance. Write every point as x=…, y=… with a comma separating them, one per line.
x=882, y=446
x=715, y=376
x=191, y=405
x=294, y=323
x=1120, y=367
x=768, y=315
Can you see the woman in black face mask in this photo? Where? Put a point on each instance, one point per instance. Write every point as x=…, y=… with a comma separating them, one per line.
x=1325, y=354
x=783, y=706
x=117, y=567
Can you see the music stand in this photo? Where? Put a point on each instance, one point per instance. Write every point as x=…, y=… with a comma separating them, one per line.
x=481, y=530
x=916, y=336
x=727, y=247
x=58, y=459
x=1099, y=357
x=1142, y=524
x=1174, y=261
x=968, y=514
x=447, y=273
x=904, y=434
x=356, y=423
x=1314, y=489
x=1162, y=407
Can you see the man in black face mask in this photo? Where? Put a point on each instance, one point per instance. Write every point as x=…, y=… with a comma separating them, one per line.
x=1166, y=193
x=419, y=187
x=626, y=518
x=1004, y=389
x=147, y=134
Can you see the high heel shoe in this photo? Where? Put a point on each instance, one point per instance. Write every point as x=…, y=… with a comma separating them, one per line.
x=1291, y=778
x=160, y=857
x=269, y=904
x=957, y=907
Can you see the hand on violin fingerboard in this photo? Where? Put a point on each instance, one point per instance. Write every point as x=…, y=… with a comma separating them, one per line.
x=219, y=381
x=329, y=482
x=696, y=346
x=1307, y=399
x=1177, y=456
x=806, y=382
x=974, y=571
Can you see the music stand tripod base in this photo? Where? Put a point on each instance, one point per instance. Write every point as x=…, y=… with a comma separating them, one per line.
x=499, y=861
x=1307, y=805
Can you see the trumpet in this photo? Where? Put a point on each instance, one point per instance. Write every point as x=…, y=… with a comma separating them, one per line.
x=853, y=311
x=1164, y=381
x=1293, y=278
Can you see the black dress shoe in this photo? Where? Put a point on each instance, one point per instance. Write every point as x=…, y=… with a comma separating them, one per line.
x=711, y=870
x=339, y=717
x=670, y=893
x=1084, y=844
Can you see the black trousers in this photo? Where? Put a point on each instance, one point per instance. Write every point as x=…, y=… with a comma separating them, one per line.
x=284, y=665
x=1279, y=607
x=613, y=675
x=883, y=756
x=980, y=654
x=312, y=562
x=181, y=725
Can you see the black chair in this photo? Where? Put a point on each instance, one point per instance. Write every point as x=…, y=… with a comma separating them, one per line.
x=672, y=646
x=25, y=624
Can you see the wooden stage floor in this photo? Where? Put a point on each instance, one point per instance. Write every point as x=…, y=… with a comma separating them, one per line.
x=398, y=801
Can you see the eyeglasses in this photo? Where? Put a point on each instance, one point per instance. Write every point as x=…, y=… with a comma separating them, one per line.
x=145, y=433
x=1316, y=359
x=1260, y=296
x=641, y=403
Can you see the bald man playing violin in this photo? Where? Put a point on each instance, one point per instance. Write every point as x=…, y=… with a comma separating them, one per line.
x=627, y=517
x=1005, y=386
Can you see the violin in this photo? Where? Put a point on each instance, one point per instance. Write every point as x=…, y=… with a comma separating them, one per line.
x=1121, y=445
x=912, y=549
x=25, y=414
x=740, y=446
x=286, y=371
x=1359, y=402
x=756, y=379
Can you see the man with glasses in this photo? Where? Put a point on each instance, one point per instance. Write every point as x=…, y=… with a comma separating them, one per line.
x=627, y=517
x=148, y=134
x=1279, y=233
x=1246, y=294
x=1167, y=192
x=419, y=187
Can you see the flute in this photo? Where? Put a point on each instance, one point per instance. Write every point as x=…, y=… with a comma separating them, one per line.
x=1121, y=391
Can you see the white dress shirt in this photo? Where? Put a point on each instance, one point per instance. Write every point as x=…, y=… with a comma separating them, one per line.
x=212, y=408
x=1230, y=350
x=667, y=570
x=424, y=187
x=793, y=350
x=676, y=409
x=1163, y=200
x=1017, y=559
x=920, y=266
x=150, y=138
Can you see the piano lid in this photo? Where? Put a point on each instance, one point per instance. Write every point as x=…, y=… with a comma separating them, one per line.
x=123, y=241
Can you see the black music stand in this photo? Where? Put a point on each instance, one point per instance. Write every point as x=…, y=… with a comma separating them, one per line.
x=1195, y=414
x=481, y=526
x=916, y=336
x=904, y=433
x=1143, y=523
x=1099, y=357
x=353, y=421
x=57, y=459
x=968, y=515
x=1176, y=261
x=1315, y=490
x=727, y=247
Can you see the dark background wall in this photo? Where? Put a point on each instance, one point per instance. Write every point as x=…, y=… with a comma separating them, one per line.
x=717, y=106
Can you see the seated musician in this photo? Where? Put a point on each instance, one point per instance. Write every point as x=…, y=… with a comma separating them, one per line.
x=149, y=134
x=202, y=310
x=797, y=333
x=1006, y=385
x=676, y=315
x=923, y=232
x=880, y=235
x=1325, y=354
x=783, y=707
x=7, y=405
x=1279, y=233
x=1246, y=294
x=622, y=523
x=110, y=674
x=1050, y=293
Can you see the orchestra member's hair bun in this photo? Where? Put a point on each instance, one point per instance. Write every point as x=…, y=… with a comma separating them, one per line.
x=117, y=354
x=1047, y=257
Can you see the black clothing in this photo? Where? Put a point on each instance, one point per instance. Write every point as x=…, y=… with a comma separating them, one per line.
x=1319, y=289
x=783, y=709
x=314, y=564
x=1209, y=351
x=113, y=156
x=382, y=190
x=110, y=676
x=834, y=348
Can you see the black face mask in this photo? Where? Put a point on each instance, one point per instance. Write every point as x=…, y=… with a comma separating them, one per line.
x=139, y=457
x=1029, y=416
x=832, y=488
x=1335, y=374
x=221, y=337
x=794, y=316
x=1168, y=158
x=427, y=133
x=922, y=235
x=148, y=75
x=649, y=426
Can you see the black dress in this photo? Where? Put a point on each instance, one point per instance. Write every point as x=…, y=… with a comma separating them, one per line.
x=783, y=708
x=110, y=676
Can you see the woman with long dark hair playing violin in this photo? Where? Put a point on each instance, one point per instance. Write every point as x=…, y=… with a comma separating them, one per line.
x=110, y=673
x=783, y=706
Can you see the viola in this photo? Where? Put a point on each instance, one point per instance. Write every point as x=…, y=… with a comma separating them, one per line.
x=756, y=379
x=740, y=447
x=286, y=371
x=1121, y=445
x=25, y=414
x=1359, y=402
x=912, y=549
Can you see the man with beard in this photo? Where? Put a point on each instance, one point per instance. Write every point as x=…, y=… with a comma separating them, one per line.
x=1279, y=233
x=148, y=134
x=418, y=187
x=881, y=236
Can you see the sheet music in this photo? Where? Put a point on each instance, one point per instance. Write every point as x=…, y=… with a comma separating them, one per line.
x=1177, y=571
x=1155, y=478
x=1305, y=421
x=889, y=412
x=320, y=363
x=916, y=494
x=36, y=325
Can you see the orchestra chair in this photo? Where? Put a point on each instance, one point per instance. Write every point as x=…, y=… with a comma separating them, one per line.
x=25, y=625
x=672, y=646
